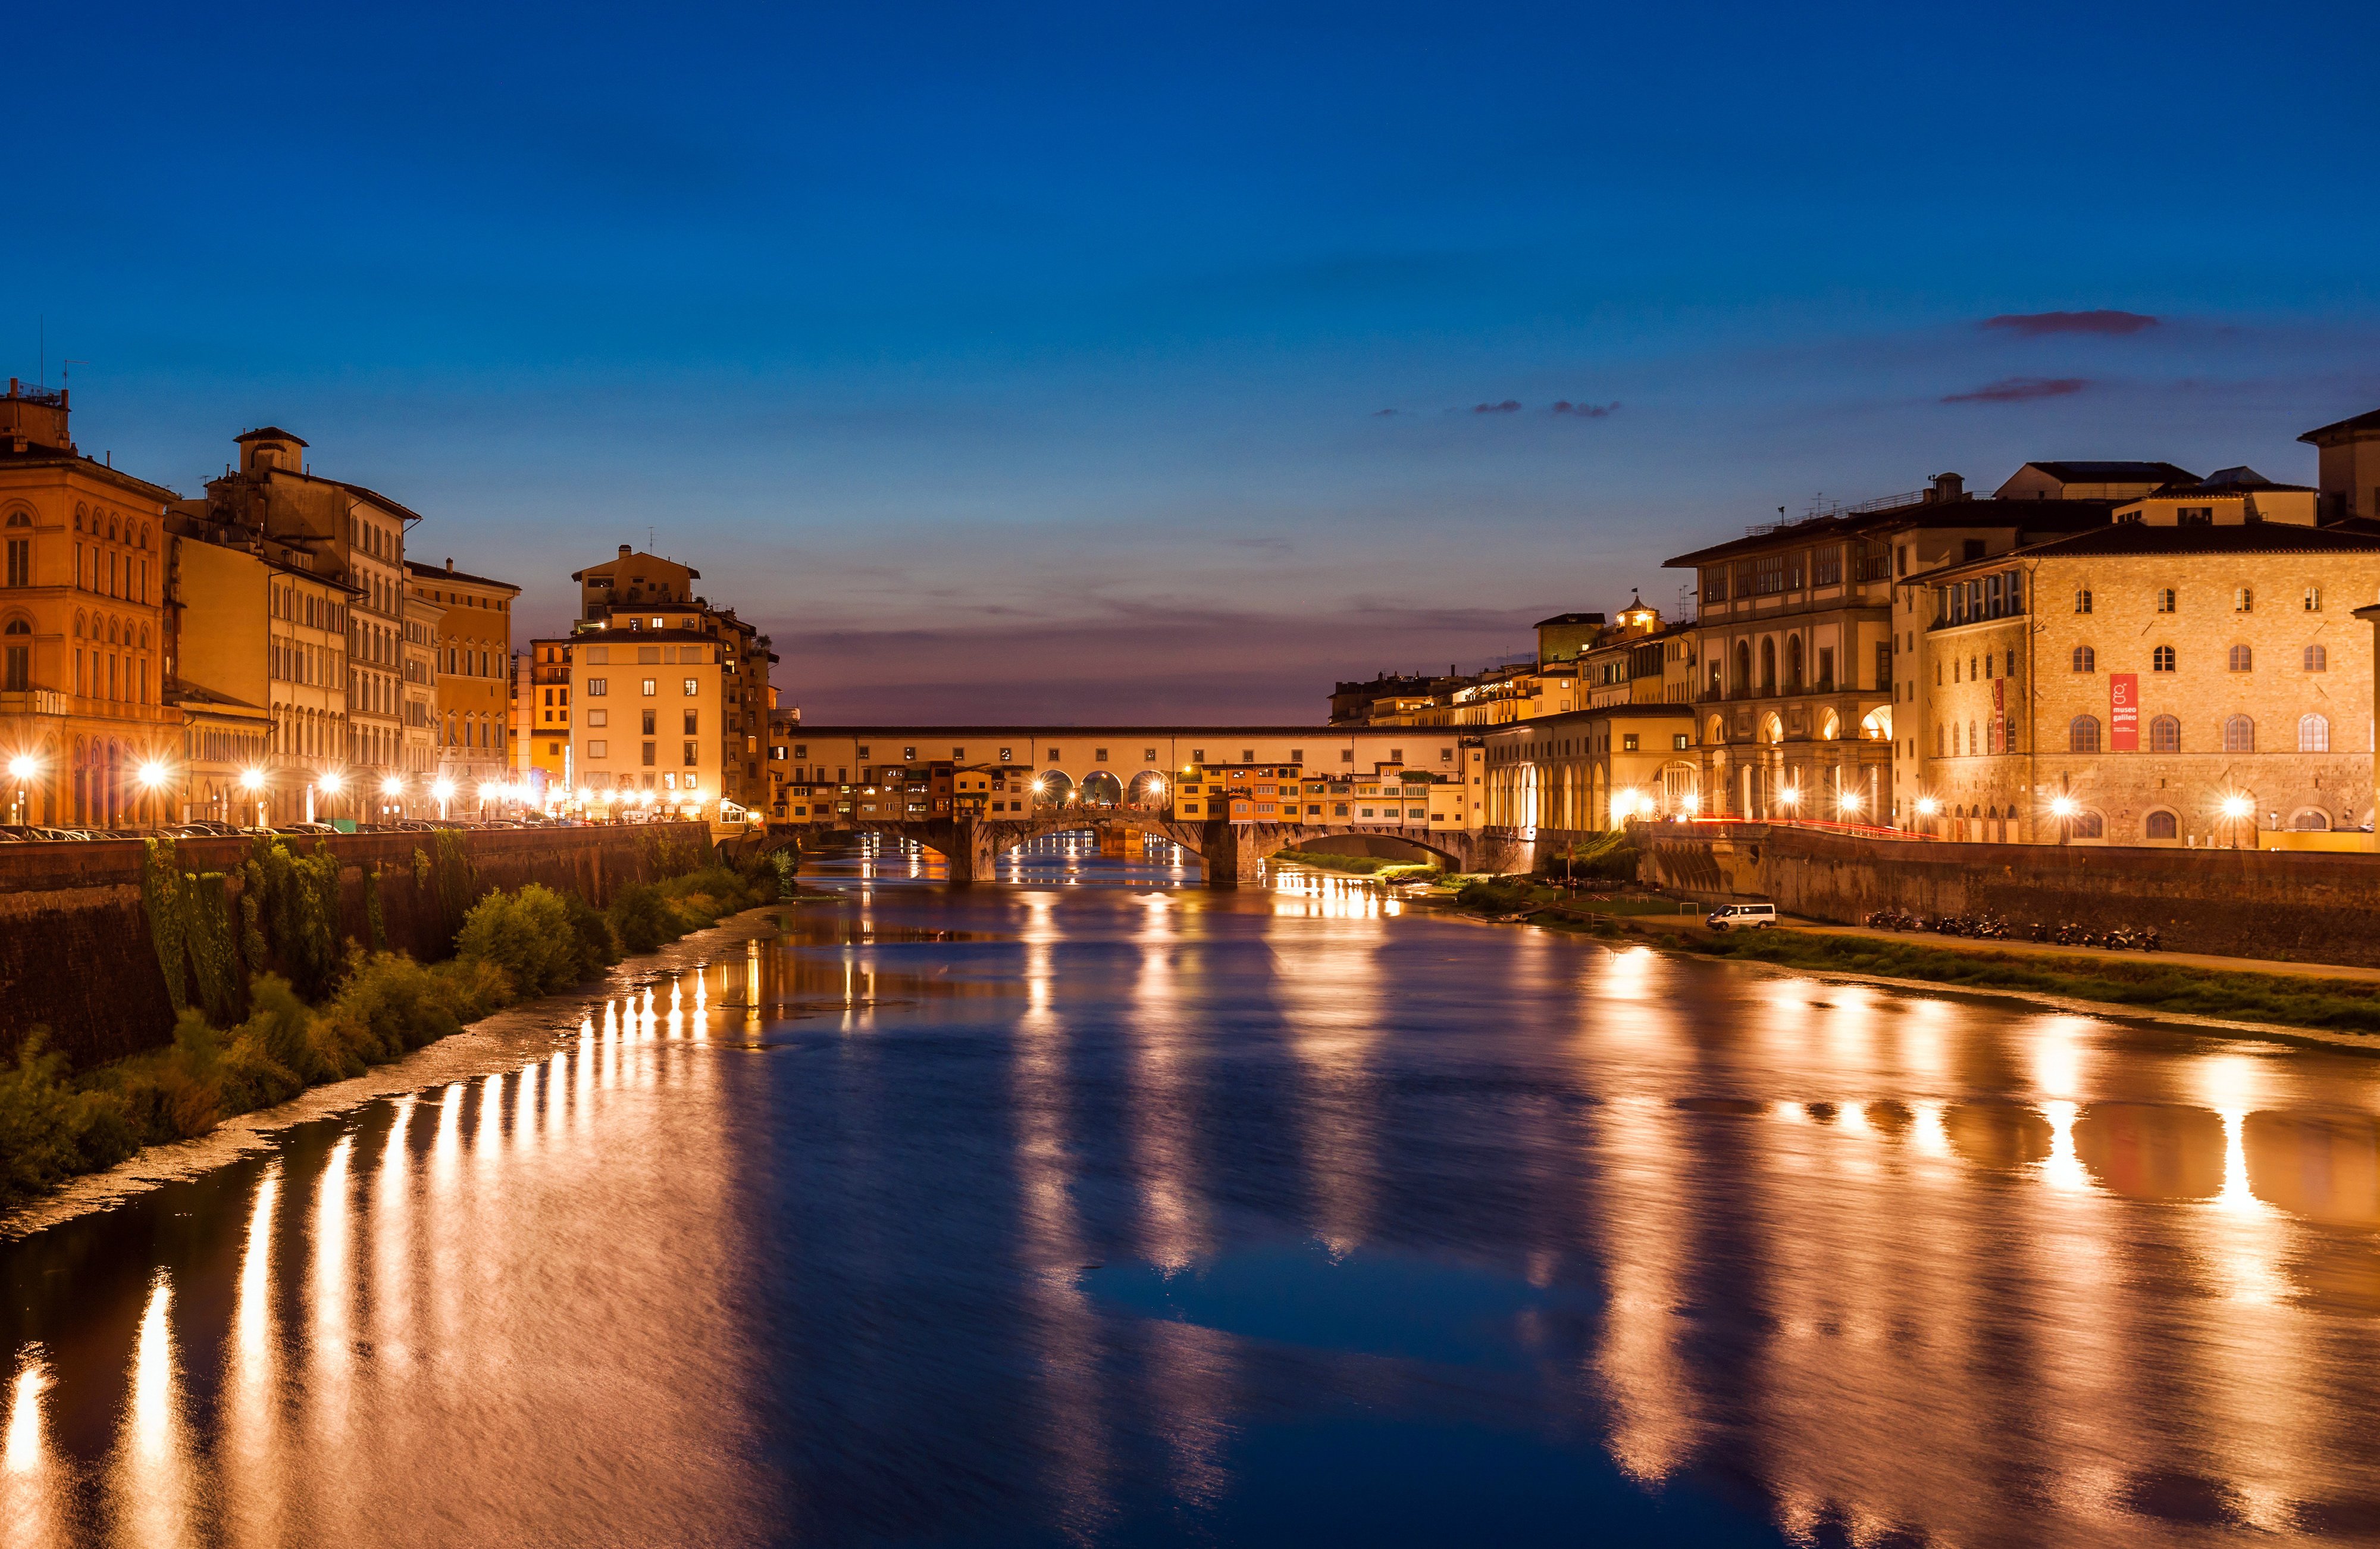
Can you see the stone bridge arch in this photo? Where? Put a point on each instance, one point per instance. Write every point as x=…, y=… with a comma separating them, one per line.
x=1232, y=854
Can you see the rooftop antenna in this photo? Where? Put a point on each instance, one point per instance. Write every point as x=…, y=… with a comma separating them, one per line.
x=66, y=370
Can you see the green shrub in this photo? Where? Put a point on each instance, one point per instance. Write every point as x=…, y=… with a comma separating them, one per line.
x=49, y=1130
x=1610, y=857
x=388, y=1005
x=528, y=934
x=597, y=949
x=642, y=918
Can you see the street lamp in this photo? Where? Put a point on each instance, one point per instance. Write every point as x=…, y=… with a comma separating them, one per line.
x=2236, y=808
x=21, y=769
x=252, y=782
x=443, y=789
x=1849, y=801
x=1789, y=799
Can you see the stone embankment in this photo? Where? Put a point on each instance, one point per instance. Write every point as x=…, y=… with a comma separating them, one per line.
x=79, y=955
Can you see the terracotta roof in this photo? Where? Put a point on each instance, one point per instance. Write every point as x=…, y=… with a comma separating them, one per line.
x=2115, y=472
x=2122, y=540
x=2362, y=425
x=270, y=432
x=2026, y=516
x=441, y=572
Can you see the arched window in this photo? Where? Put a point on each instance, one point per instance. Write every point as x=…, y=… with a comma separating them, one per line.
x=2317, y=659
x=2083, y=734
x=2087, y=825
x=1793, y=665
x=18, y=518
x=1769, y=666
x=1974, y=743
x=2310, y=819
x=2243, y=658
x=2163, y=825
x=16, y=665
x=2165, y=735
x=2085, y=659
x=2161, y=658
x=2239, y=735
x=2314, y=734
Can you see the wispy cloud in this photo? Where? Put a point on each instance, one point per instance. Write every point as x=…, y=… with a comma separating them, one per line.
x=2103, y=320
x=1586, y=411
x=2021, y=389
x=1382, y=413
x=1510, y=406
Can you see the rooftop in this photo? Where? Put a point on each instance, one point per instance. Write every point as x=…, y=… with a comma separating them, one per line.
x=2115, y=472
x=2122, y=540
x=2361, y=427
x=448, y=573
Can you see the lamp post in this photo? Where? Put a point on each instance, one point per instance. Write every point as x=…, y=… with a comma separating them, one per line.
x=1789, y=799
x=1848, y=804
x=252, y=782
x=2063, y=809
x=392, y=789
x=333, y=782
x=1926, y=808
x=2237, y=809
x=443, y=789
x=21, y=769
x=152, y=777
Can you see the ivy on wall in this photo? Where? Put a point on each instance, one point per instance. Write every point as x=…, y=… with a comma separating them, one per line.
x=160, y=899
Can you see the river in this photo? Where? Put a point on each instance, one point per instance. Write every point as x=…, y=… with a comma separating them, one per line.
x=1091, y=1207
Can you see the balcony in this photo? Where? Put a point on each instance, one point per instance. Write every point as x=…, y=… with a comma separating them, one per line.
x=32, y=702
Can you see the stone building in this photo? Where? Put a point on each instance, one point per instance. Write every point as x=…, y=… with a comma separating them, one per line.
x=2150, y=681
x=355, y=535
x=1592, y=769
x=260, y=673
x=470, y=721
x=84, y=656
x=1798, y=637
x=2347, y=454
x=636, y=592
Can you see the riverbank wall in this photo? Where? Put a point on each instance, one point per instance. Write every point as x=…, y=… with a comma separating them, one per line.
x=2284, y=905
x=79, y=953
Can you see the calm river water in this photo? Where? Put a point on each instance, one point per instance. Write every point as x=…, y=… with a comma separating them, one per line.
x=1094, y=1208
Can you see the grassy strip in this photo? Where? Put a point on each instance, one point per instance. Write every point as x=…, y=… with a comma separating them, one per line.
x=2146, y=983
x=381, y=1006
x=1356, y=865
x=2334, y=1004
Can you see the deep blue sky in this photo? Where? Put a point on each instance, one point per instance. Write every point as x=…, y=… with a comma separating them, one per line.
x=1032, y=363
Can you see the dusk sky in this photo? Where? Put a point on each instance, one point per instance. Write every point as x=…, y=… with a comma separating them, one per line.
x=1092, y=364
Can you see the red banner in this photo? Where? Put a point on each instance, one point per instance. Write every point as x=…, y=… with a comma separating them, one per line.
x=2124, y=712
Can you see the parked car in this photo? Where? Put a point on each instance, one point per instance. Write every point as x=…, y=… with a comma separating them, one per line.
x=1743, y=917
x=305, y=828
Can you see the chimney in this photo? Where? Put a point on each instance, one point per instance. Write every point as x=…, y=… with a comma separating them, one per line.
x=625, y=550
x=450, y=564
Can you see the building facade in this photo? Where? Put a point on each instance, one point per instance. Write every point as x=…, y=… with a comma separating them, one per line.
x=541, y=717
x=470, y=720
x=649, y=704
x=359, y=535
x=84, y=656
x=1593, y=769
x=2147, y=683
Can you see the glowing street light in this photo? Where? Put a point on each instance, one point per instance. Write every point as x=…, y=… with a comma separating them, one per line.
x=1690, y=802
x=1789, y=797
x=2062, y=807
x=252, y=782
x=21, y=769
x=334, y=783
x=1927, y=806
x=1849, y=801
x=2237, y=807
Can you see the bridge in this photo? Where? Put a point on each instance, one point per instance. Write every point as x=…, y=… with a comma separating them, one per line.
x=1122, y=775
x=1230, y=853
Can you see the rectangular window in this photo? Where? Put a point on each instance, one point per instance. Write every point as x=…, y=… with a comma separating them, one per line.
x=1100, y=755
x=691, y=756
x=649, y=688
x=20, y=562
x=2313, y=599
x=1628, y=742
x=649, y=755
x=1004, y=753
x=2244, y=600
x=650, y=718
x=598, y=749
x=597, y=687
x=598, y=717
x=1827, y=566
x=1767, y=575
x=692, y=688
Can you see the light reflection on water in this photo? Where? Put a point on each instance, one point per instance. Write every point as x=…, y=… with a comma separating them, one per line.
x=1099, y=1208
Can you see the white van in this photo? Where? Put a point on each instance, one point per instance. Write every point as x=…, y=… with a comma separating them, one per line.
x=1746, y=917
